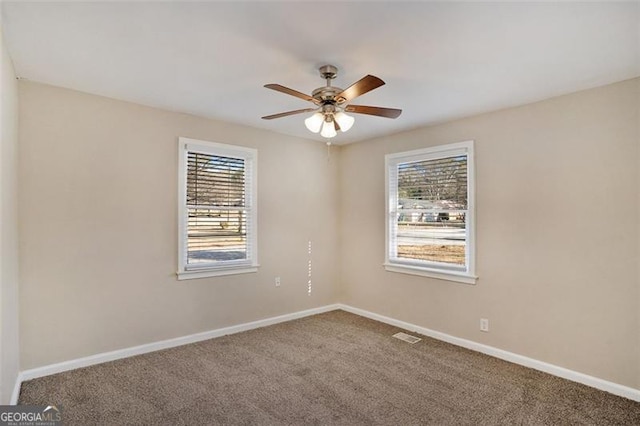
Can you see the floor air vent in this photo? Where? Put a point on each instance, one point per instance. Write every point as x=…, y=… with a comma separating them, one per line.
x=407, y=338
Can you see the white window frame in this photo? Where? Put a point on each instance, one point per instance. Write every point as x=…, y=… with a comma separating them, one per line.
x=438, y=270
x=250, y=156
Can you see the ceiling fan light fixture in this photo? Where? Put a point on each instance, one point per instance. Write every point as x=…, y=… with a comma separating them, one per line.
x=328, y=130
x=330, y=102
x=314, y=123
x=344, y=121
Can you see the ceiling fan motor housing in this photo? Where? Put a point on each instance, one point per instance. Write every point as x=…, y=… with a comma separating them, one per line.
x=328, y=72
x=326, y=94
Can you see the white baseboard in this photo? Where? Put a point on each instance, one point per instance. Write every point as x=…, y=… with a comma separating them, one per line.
x=156, y=346
x=16, y=390
x=614, y=388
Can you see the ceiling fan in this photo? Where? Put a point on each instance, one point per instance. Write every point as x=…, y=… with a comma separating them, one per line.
x=332, y=103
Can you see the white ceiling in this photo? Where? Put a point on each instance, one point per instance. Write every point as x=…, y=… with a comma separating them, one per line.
x=440, y=60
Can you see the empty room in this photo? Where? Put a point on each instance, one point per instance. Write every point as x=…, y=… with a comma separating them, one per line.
x=319, y=212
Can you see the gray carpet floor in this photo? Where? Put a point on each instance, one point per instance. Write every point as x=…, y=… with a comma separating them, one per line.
x=329, y=369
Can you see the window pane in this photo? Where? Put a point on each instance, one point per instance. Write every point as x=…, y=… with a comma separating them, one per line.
x=215, y=180
x=216, y=235
x=432, y=203
x=432, y=236
x=433, y=184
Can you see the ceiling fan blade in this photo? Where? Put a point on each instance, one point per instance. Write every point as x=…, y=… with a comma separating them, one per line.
x=360, y=87
x=370, y=110
x=288, y=91
x=284, y=114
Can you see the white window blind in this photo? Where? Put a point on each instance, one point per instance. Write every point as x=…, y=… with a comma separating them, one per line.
x=218, y=207
x=430, y=207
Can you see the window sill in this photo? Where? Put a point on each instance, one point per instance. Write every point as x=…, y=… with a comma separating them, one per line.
x=205, y=273
x=460, y=277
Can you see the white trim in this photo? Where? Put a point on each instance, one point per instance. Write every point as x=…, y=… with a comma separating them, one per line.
x=165, y=344
x=433, y=152
x=205, y=273
x=461, y=277
x=430, y=269
x=16, y=390
x=574, y=376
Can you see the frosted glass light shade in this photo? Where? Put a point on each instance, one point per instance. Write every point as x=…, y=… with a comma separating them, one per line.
x=344, y=121
x=314, y=123
x=328, y=130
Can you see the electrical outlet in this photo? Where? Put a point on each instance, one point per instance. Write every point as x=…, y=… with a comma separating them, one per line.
x=277, y=281
x=484, y=324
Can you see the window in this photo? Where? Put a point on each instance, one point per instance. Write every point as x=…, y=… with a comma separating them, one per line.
x=430, y=206
x=217, y=218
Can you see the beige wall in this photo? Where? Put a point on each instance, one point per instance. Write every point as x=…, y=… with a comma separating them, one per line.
x=557, y=233
x=98, y=223
x=9, y=354
x=557, y=213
